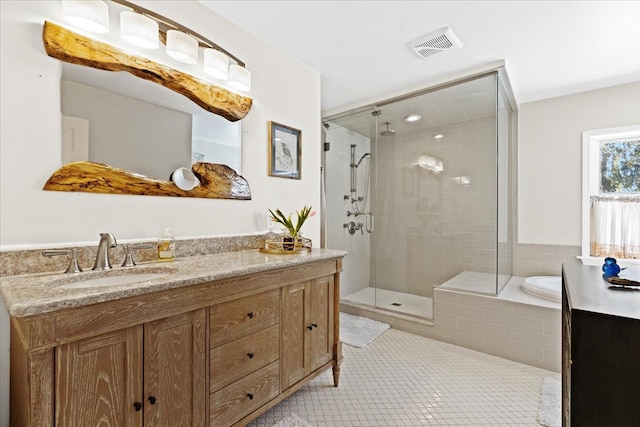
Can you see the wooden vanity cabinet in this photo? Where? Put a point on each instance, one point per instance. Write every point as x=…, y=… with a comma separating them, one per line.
x=218, y=353
x=159, y=366
x=307, y=329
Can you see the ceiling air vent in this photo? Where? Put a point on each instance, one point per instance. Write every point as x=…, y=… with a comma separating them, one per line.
x=439, y=41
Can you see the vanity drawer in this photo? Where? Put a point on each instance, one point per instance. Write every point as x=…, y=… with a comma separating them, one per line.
x=234, y=319
x=235, y=401
x=238, y=358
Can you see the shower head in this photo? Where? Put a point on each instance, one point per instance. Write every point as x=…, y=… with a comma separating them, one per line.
x=388, y=132
x=326, y=125
x=364, y=156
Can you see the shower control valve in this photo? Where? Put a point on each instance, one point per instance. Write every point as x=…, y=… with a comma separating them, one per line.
x=352, y=227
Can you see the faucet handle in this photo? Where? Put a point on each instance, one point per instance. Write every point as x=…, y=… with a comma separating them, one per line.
x=128, y=250
x=74, y=267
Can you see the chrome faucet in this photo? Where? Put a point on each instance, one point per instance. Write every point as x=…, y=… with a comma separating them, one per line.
x=107, y=241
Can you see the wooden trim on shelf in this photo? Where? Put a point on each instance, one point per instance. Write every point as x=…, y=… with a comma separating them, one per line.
x=216, y=181
x=67, y=46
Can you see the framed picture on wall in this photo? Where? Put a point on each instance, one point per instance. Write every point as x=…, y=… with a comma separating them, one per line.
x=285, y=151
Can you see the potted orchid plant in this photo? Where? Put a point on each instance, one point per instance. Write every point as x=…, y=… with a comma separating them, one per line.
x=292, y=228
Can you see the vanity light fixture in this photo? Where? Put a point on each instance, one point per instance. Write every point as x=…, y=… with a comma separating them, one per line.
x=412, y=118
x=216, y=64
x=182, y=47
x=145, y=28
x=438, y=136
x=89, y=15
x=139, y=30
x=239, y=78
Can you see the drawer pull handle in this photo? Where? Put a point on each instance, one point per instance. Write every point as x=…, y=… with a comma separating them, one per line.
x=250, y=396
x=250, y=315
x=250, y=355
x=137, y=406
x=152, y=400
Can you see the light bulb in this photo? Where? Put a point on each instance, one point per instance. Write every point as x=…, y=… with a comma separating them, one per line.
x=89, y=15
x=216, y=64
x=239, y=78
x=182, y=47
x=139, y=30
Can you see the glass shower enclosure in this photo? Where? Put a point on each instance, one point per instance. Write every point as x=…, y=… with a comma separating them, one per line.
x=419, y=191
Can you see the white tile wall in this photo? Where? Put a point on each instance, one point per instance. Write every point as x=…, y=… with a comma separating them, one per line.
x=430, y=226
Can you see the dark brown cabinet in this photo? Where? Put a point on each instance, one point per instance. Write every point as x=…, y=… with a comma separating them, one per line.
x=601, y=350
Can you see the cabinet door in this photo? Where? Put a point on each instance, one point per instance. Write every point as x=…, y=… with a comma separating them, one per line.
x=99, y=380
x=175, y=380
x=294, y=320
x=321, y=316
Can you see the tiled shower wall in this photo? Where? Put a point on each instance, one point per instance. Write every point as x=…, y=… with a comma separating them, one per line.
x=430, y=224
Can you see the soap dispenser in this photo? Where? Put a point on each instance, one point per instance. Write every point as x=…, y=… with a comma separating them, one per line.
x=166, y=246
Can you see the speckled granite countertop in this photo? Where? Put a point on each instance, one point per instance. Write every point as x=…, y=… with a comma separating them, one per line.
x=44, y=293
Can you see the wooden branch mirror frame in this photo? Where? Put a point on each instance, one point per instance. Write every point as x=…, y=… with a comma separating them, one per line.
x=216, y=181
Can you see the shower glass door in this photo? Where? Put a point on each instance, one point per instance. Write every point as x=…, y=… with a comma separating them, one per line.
x=423, y=184
x=348, y=201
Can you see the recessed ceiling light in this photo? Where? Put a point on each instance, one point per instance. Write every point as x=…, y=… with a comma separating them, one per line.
x=438, y=136
x=412, y=118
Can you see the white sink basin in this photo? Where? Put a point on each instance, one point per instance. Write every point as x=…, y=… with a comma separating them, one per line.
x=96, y=279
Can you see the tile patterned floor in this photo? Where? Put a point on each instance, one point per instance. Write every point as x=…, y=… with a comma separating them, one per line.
x=403, y=379
x=414, y=305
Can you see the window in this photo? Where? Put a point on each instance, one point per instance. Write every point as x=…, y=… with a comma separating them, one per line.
x=611, y=193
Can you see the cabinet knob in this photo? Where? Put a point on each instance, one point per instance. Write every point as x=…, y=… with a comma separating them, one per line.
x=310, y=327
x=152, y=400
x=314, y=325
x=250, y=396
x=250, y=355
x=137, y=405
x=250, y=315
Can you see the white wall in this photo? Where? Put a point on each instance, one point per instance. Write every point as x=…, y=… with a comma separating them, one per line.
x=550, y=158
x=30, y=142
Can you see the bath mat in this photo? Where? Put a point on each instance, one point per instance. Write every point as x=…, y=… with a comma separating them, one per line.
x=292, y=421
x=358, y=331
x=550, y=408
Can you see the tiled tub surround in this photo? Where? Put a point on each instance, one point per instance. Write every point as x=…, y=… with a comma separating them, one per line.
x=33, y=294
x=31, y=260
x=542, y=260
x=514, y=325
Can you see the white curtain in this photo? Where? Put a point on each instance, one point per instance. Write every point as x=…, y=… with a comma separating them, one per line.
x=615, y=226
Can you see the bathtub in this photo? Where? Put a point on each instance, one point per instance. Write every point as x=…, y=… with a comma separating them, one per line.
x=547, y=287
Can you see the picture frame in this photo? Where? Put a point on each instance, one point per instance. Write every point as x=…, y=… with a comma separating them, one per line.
x=285, y=151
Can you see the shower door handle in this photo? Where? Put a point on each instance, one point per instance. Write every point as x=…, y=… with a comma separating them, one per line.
x=369, y=221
